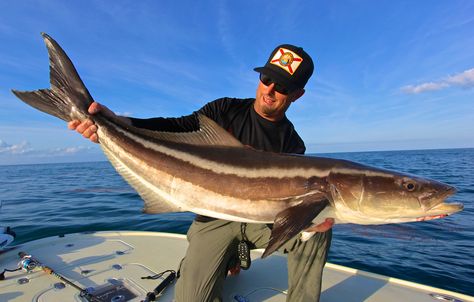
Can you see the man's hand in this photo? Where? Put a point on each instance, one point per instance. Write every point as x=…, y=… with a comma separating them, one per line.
x=322, y=227
x=87, y=127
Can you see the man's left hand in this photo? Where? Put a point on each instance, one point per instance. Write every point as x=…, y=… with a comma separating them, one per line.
x=322, y=227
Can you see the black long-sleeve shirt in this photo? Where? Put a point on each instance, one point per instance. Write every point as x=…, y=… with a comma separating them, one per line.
x=237, y=116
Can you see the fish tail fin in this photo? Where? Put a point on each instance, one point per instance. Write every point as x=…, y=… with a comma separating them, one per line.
x=68, y=97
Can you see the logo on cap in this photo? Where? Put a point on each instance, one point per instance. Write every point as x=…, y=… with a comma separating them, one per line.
x=287, y=60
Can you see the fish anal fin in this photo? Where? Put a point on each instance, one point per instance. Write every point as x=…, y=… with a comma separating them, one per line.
x=154, y=203
x=289, y=222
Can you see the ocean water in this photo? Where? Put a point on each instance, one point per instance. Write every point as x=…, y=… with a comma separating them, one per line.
x=51, y=199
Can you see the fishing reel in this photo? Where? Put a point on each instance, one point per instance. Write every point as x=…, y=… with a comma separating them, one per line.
x=27, y=262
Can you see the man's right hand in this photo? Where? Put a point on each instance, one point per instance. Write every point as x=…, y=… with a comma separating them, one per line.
x=87, y=127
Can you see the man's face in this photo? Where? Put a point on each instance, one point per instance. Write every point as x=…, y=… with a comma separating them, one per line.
x=271, y=104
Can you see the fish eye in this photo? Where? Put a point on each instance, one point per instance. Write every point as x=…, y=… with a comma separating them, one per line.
x=410, y=186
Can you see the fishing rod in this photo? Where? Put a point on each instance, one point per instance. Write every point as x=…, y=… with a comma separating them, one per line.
x=28, y=264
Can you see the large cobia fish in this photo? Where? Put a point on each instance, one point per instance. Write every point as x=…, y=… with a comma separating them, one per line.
x=209, y=172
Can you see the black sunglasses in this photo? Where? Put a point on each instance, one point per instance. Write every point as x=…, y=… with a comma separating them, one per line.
x=266, y=80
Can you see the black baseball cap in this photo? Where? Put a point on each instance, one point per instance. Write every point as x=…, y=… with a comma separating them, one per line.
x=288, y=65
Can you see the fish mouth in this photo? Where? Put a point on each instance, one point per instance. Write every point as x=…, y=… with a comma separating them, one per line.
x=442, y=209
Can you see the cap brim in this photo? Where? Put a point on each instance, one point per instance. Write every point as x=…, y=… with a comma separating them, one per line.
x=278, y=77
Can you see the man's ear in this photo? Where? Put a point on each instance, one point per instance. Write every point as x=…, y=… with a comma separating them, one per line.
x=297, y=94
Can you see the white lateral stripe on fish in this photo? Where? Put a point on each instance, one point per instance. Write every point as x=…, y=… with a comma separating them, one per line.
x=223, y=168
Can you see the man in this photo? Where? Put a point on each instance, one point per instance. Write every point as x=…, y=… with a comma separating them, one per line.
x=262, y=124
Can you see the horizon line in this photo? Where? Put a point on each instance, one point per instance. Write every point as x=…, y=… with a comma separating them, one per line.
x=308, y=154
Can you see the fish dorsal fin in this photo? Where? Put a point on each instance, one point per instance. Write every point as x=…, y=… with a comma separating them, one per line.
x=210, y=133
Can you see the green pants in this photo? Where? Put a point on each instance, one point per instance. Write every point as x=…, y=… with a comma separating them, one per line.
x=213, y=245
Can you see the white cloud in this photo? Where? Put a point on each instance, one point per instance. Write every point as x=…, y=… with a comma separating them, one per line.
x=21, y=148
x=463, y=79
x=67, y=151
x=24, y=148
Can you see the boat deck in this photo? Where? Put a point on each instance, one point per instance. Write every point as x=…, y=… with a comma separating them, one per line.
x=106, y=260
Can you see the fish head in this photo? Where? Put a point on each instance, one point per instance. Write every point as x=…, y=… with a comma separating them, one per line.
x=375, y=196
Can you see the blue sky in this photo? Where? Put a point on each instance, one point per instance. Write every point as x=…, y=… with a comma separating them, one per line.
x=389, y=75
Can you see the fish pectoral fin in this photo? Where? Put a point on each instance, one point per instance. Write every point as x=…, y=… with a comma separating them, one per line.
x=289, y=222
